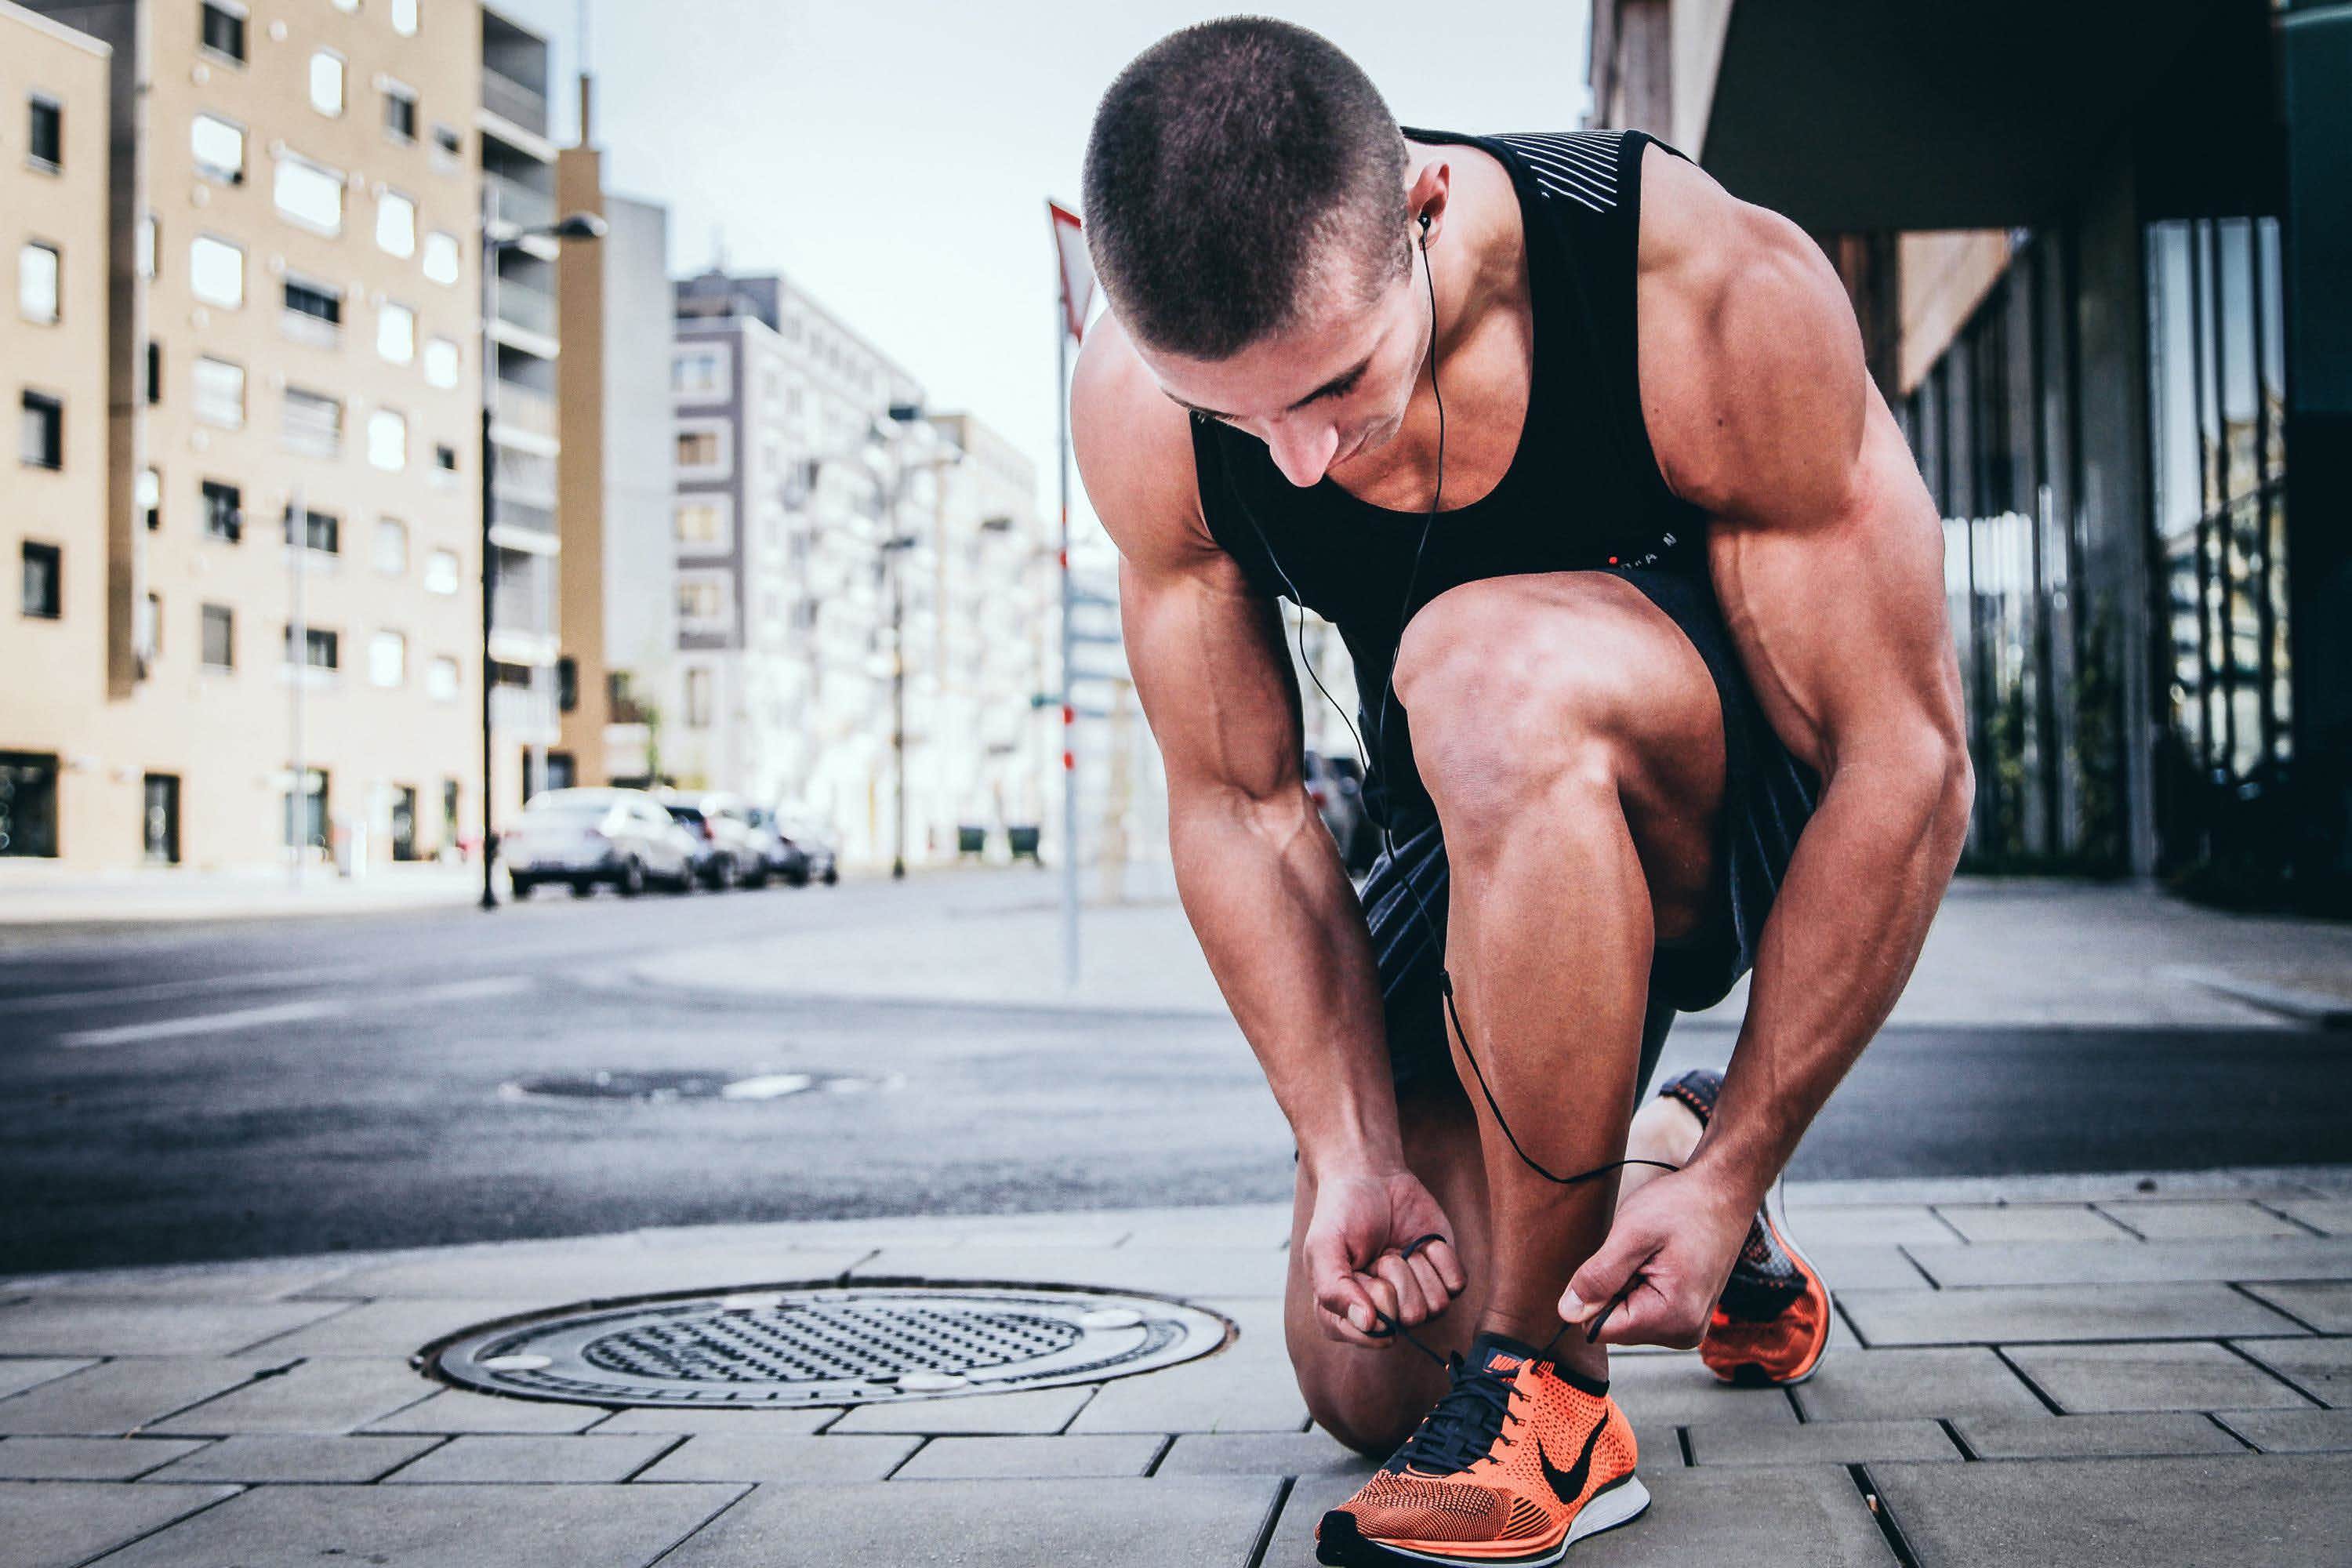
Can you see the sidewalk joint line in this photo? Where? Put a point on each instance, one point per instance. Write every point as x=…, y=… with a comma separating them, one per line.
x=1970, y=1455
x=668, y=1551
x=2241, y=1289
x=1682, y=1440
x=924, y=1441
x=2240, y=1437
x=1947, y=1225
x=1837, y=1305
x=1167, y=1443
x=657, y=1456
x=1933, y=1283
x=1876, y=1501
x=2035, y=1389
x=1797, y=1406
x=1265, y=1542
x=441, y=1440
x=2102, y=1210
x=2271, y=1372
x=2304, y=1225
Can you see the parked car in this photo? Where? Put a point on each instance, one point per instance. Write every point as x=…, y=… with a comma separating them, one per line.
x=726, y=853
x=814, y=840
x=1336, y=785
x=784, y=858
x=620, y=838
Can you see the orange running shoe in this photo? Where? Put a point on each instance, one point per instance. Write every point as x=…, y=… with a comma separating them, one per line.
x=1519, y=1462
x=1771, y=1323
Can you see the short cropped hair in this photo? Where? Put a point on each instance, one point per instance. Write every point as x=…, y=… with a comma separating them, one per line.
x=1236, y=168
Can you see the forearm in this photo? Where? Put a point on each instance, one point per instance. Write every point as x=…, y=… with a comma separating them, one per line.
x=1861, y=889
x=1285, y=936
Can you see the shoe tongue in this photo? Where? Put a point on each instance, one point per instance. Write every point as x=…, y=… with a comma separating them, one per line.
x=1500, y=1353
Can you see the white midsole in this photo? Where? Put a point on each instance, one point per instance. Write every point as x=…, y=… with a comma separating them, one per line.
x=1606, y=1511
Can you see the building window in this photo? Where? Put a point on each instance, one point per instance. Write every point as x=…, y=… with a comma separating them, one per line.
x=28, y=804
x=387, y=660
x=143, y=245
x=395, y=223
x=159, y=827
x=321, y=530
x=220, y=393
x=45, y=135
x=395, y=332
x=702, y=524
x=221, y=29
x=313, y=423
x=702, y=449
x=223, y=511
x=41, y=432
x=388, y=440
x=702, y=601
x=441, y=257
x=217, y=272
x=219, y=637
x=315, y=303
x=391, y=546
x=147, y=631
x=36, y=283
x=403, y=17
x=441, y=571
x=447, y=142
x=567, y=684
x=218, y=148
x=699, y=373
x=44, y=589
x=441, y=682
x=326, y=82
x=150, y=498
x=444, y=458
x=698, y=699
x=440, y=362
x=313, y=825
x=399, y=113
x=309, y=195
x=321, y=649
x=154, y=373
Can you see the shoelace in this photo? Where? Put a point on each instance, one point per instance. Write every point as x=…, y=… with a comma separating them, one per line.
x=1466, y=1424
x=1390, y=1328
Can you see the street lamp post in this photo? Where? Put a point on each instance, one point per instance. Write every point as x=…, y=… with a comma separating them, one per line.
x=495, y=244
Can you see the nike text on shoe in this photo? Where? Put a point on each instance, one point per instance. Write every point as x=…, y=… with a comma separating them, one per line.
x=1771, y=1323
x=1516, y=1463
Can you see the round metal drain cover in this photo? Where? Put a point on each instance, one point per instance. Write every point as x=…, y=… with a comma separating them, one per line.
x=758, y=1348
x=662, y=1085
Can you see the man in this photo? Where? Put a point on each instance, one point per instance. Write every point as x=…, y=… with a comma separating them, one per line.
x=1580, y=455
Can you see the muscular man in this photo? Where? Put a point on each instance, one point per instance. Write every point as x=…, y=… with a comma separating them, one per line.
x=1645, y=600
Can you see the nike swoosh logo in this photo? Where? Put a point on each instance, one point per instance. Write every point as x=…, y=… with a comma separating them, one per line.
x=1569, y=1484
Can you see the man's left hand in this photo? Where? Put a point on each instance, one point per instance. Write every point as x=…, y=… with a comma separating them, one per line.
x=1668, y=1251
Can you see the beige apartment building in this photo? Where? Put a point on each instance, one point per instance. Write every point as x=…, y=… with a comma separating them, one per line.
x=270, y=618
x=58, y=792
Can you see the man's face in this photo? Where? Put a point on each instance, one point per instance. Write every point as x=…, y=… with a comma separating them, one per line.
x=1332, y=387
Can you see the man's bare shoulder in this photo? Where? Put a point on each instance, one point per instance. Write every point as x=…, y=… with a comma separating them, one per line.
x=1746, y=340
x=1134, y=448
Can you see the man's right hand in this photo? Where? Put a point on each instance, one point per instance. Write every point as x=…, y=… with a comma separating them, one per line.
x=1354, y=1248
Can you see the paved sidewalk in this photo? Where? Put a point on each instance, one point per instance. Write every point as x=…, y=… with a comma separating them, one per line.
x=38, y=894
x=2083, y=1370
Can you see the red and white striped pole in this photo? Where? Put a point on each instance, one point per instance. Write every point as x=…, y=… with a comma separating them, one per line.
x=1077, y=284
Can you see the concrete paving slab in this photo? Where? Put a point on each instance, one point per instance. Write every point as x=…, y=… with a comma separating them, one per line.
x=556, y=1279
x=742, y=1457
x=87, y=1459
x=2032, y=1222
x=1188, y=1274
x=2245, y=1510
x=2321, y=1368
x=1032, y=1411
x=748, y=1422
x=1865, y=1225
x=1186, y=1521
x=20, y=1372
x=509, y=1458
x=397, y=1326
x=1230, y=1393
x=1314, y=1453
x=1819, y=1442
x=117, y=1396
x=2068, y=1263
x=51, y=1526
x=334, y=1394
x=2165, y=1376
x=2197, y=1219
x=2333, y=1216
x=2046, y=1436
x=1678, y=1391
x=456, y=1410
x=2022, y=1314
x=2324, y=1304
x=295, y=1457
x=1036, y=1458
x=1863, y=1265
x=2292, y=1431
x=63, y=1323
x=432, y=1527
x=1884, y=1385
x=252, y=1279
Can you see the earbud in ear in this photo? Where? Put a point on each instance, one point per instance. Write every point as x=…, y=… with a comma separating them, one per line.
x=1424, y=231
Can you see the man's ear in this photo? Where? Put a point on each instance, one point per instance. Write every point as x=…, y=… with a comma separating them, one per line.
x=1425, y=199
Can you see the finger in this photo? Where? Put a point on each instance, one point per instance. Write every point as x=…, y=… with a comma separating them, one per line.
x=1605, y=1275
x=1448, y=1264
x=1397, y=1274
x=1345, y=1309
x=1384, y=1297
x=1654, y=1315
x=1432, y=1289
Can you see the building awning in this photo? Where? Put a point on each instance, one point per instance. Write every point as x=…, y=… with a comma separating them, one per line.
x=1985, y=115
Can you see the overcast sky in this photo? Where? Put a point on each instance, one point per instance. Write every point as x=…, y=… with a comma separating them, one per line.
x=895, y=159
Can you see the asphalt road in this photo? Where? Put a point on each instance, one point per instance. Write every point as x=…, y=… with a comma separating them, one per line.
x=267, y=1088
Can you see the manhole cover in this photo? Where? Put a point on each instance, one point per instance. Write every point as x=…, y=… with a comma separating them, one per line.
x=831, y=1345
x=666, y=1085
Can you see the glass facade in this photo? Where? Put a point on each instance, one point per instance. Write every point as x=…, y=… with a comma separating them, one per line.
x=2217, y=421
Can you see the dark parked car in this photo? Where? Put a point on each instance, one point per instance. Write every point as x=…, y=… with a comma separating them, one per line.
x=726, y=853
x=814, y=840
x=784, y=858
x=1336, y=785
x=620, y=838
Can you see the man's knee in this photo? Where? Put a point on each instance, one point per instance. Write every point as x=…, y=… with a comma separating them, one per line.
x=1371, y=1416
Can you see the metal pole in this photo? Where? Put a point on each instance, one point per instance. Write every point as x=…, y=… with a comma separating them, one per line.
x=298, y=654
x=897, y=548
x=488, y=462
x=1070, y=697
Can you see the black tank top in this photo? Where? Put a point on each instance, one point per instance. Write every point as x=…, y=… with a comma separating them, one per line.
x=1582, y=491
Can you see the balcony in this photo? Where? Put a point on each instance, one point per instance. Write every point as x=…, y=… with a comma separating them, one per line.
x=525, y=607
x=520, y=408
x=508, y=513
x=523, y=713
x=512, y=101
x=518, y=205
x=532, y=310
